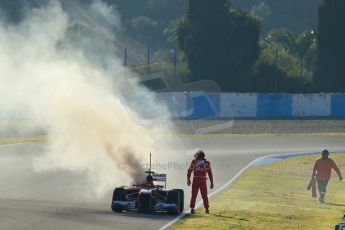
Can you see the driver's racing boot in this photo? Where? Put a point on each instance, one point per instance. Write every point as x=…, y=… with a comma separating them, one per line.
x=192, y=211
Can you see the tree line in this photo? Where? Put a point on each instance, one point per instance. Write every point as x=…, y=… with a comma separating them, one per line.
x=241, y=50
x=224, y=44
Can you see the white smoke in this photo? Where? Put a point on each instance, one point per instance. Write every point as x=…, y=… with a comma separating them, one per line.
x=60, y=77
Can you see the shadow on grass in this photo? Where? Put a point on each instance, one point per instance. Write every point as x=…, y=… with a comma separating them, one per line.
x=229, y=217
x=333, y=204
x=199, y=216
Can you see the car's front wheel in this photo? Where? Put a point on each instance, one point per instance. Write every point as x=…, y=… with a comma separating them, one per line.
x=118, y=195
x=181, y=198
x=145, y=203
x=173, y=198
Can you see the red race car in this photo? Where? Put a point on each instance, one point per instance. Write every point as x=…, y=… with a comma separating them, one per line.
x=148, y=197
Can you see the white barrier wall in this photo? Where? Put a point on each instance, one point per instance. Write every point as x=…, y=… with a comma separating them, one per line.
x=228, y=105
x=242, y=105
x=311, y=105
x=237, y=105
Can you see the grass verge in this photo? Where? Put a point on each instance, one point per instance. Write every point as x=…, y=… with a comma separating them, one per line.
x=273, y=196
x=6, y=141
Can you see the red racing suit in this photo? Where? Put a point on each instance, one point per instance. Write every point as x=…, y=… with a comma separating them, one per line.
x=199, y=169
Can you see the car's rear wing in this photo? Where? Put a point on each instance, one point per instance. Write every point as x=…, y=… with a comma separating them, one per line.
x=160, y=177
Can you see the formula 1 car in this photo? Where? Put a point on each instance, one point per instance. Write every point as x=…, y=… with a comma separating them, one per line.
x=148, y=197
x=340, y=226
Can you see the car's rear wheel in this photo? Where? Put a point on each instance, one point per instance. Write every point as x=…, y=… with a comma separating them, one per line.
x=173, y=198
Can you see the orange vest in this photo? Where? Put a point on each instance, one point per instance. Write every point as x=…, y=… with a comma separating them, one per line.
x=324, y=167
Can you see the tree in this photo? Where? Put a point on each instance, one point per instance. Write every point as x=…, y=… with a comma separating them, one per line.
x=330, y=74
x=148, y=20
x=289, y=42
x=145, y=29
x=297, y=15
x=281, y=55
x=15, y=9
x=220, y=44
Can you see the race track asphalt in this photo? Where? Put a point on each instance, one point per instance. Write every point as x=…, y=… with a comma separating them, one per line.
x=19, y=184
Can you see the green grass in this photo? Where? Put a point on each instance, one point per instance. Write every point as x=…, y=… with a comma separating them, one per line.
x=273, y=196
x=5, y=141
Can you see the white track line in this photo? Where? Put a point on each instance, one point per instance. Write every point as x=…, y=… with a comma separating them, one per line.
x=286, y=155
x=20, y=143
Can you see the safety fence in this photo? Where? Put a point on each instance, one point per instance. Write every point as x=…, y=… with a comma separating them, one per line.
x=200, y=105
x=172, y=64
x=239, y=105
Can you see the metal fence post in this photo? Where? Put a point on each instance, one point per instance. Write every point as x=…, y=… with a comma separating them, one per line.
x=78, y=18
x=301, y=74
x=249, y=61
x=148, y=61
x=199, y=75
x=276, y=77
x=225, y=71
x=328, y=84
x=125, y=59
x=175, y=62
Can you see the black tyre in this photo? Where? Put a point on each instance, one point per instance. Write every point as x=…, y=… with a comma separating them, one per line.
x=117, y=208
x=339, y=227
x=118, y=195
x=173, y=198
x=145, y=202
x=181, y=197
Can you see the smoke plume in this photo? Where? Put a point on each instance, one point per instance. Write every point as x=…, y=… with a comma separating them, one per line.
x=62, y=76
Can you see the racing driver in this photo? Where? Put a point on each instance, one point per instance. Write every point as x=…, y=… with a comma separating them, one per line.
x=199, y=167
